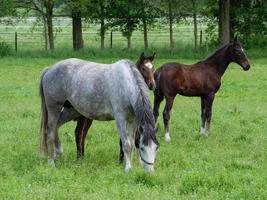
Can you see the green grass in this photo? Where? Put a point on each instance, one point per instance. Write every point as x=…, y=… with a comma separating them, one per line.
x=229, y=164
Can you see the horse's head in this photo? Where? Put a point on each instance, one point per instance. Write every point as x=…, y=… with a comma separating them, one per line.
x=145, y=66
x=238, y=55
x=148, y=148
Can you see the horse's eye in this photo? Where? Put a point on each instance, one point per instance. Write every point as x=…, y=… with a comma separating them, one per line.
x=142, y=149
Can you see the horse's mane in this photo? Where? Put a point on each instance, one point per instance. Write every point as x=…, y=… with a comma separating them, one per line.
x=142, y=107
x=216, y=52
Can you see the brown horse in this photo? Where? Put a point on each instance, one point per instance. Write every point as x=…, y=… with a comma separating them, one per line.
x=202, y=79
x=145, y=66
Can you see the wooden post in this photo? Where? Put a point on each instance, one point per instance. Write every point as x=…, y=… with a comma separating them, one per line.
x=200, y=39
x=111, y=37
x=207, y=45
x=16, y=41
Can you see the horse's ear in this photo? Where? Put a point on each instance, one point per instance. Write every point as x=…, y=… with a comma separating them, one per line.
x=235, y=40
x=142, y=55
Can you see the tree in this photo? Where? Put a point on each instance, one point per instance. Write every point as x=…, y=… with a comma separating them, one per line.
x=144, y=21
x=75, y=8
x=148, y=12
x=249, y=21
x=7, y=8
x=126, y=18
x=49, y=5
x=100, y=11
x=195, y=24
x=224, y=21
x=174, y=10
x=45, y=9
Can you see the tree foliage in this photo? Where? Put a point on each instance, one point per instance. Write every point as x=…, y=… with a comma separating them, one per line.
x=249, y=21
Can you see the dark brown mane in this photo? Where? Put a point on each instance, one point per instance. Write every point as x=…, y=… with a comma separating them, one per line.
x=216, y=53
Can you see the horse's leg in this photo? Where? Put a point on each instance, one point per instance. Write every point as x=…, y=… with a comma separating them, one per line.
x=166, y=117
x=157, y=100
x=137, y=142
x=83, y=125
x=79, y=135
x=125, y=139
x=208, y=112
x=202, y=129
x=121, y=152
x=65, y=116
x=53, y=114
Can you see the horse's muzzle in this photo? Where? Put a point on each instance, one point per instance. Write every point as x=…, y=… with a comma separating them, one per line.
x=149, y=168
x=245, y=66
x=151, y=86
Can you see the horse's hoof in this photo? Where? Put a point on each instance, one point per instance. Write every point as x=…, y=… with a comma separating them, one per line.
x=59, y=153
x=204, y=131
x=127, y=169
x=51, y=162
x=80, y=157
x=167, y=137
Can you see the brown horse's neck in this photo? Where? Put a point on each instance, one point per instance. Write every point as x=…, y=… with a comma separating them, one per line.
x=220, y=59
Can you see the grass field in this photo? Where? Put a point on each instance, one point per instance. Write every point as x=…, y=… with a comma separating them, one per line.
x=229, y=164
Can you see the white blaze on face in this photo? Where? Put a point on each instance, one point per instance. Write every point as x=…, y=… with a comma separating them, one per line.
x=148, y=155
x=149, y=65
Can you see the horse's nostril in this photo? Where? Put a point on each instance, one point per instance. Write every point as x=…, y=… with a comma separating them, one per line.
x=246, y=67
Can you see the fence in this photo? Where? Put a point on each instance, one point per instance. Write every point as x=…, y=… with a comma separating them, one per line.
x=27, y=35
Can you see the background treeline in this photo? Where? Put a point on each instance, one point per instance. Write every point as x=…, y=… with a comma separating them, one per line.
x=246, y=18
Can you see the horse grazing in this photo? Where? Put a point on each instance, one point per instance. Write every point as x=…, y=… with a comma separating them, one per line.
x=145, y=67
x=202, y=79
x=104, y=92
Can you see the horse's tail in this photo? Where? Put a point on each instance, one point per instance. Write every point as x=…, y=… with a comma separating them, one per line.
x=43, y=135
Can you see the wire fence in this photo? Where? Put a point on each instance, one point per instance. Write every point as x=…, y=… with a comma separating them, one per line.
x=28, y=35
x=156, y=39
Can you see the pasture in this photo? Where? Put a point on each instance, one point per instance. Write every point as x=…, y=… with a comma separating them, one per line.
x=229, y=164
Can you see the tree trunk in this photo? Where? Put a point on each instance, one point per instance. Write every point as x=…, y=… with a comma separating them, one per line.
x=49, y=4
x=102, y=33
x=171, y=22
x=45, y=33
x=128, y=42
x=224, y=21
x=102, y=25
x=195, y=25
x=144, y=25
x=77, y=30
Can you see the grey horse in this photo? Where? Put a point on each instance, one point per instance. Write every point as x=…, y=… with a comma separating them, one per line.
x=75, y=87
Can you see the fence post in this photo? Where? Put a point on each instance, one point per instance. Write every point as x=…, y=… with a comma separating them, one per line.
x=111, y=38
x=16, y=41
x=207, y=45
x=200, y=39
